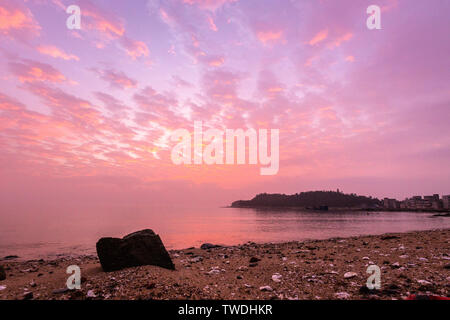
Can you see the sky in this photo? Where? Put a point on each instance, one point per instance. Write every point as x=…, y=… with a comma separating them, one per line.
x=86, y=115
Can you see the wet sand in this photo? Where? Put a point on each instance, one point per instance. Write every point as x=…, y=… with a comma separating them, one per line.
x=411, y=263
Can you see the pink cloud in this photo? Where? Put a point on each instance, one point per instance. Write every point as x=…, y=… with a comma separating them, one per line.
x=319, y=37
x=209, y=4
x=31, y=71
x=269, y=36
x=134, y=48
x=115, y=78
x=17, y=21
x=56, y=52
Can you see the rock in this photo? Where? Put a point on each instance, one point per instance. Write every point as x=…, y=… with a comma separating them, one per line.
x=276, y=277
x=265, y=288
x=91, y=294
x=447, y=266
x=342, y=295
x=60, y=291
x=424, y=282
x=392, y=289
x=27, y=296
x=364, y=290
x=32, y=284
x=2, y=273
x=2, y=288
x=136, y=249
x=10, y=257
x=349, y=275
x=207, y=246
x=254, y=259
x=196, y=259
x=389, y=237
x=395, y=265
x=253, y=265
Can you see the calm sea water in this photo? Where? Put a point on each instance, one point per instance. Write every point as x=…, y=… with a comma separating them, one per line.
x=47, y=232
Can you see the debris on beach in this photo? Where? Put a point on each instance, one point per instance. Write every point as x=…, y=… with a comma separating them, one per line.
x=276, y=277
x=265, y=288
x=349, y=275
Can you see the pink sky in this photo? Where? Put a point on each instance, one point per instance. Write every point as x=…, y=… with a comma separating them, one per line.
x=86, y=115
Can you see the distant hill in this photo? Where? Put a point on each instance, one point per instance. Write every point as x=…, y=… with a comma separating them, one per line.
x=309, y=199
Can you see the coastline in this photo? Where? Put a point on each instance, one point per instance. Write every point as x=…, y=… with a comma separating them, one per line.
x=411, y=263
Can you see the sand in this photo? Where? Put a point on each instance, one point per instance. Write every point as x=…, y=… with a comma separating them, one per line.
x=410, y=263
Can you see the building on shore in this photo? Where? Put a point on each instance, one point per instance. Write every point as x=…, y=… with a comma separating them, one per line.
x=419, y=203
x=446, y=202
x=391, y=203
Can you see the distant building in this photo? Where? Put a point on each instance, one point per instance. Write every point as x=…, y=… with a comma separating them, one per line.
x=391, y=203
x=446, y=202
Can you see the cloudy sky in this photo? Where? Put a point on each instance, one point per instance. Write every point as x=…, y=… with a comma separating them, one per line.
x=86, y=115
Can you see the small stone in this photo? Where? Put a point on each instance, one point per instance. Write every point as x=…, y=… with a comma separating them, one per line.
x=206, y=246
x=253, y=264
x=2, y=288
x=91, y=294
x=389, y=237
x=424, y=282
x=254, y=259
x=276, y=277
x=342, y=295
x=349, y=275
x=27, y=295
x=395, y=265
x=265, y=288
x=32, y=284
x=60, y=291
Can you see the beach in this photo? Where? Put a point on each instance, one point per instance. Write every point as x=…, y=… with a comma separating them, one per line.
x=410, y=263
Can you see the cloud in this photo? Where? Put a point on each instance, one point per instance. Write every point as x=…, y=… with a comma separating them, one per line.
x=135, y=49
x=17, y=21
x=30, y=71
x=56, y=52
x=319, y=37
x=208, y=4
x=269, y=36
x=117, y=79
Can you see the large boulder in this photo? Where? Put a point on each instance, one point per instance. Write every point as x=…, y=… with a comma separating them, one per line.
x=136, y=249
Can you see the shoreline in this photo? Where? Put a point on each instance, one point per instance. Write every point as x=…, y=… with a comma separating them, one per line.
x=415, y=262
x=338, y=209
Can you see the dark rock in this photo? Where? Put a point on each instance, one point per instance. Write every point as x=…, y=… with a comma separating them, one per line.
x=447, y=266
x=366, y=291
x=392, y=289
x=389, y=237
x=254, y=259
x=207, y=246
x=61, y=291
x=27, y=296
x=2, y=273
x=10, y=257
x=136, y=249
x=253, y=264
